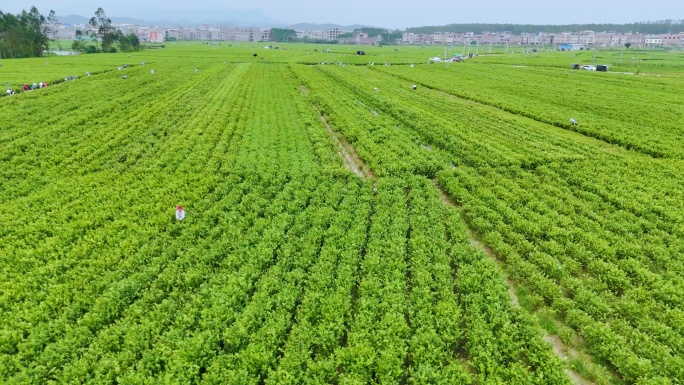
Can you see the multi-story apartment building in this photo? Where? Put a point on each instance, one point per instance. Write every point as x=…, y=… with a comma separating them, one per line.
x=515, y=39
x=227, y=34
x=175, y=33
x=189, y=34
x=672, y=40
x=333, y=34
x=603, y=39
x=562, y=38
x=408, y=38
x=244, y=35
x=587, y=38
x=635, y=39
x=204, y=34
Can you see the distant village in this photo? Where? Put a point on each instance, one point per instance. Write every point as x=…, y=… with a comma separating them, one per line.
x=562, y=41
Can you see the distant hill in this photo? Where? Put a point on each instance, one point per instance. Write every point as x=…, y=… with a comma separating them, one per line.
x=72, y=19
x=189, y=18
x=647, y=27
x=76, y=19
x=314, y=27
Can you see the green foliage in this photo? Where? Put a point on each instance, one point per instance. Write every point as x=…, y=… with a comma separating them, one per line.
x=283, y=35
x=22, y=35
x=388, y=36
x=128, y=43
x=291, y=269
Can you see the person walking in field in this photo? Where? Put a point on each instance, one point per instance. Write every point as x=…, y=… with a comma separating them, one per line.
x=180, y=213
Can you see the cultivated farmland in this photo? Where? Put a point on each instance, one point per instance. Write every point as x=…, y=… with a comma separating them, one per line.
x=342, y=227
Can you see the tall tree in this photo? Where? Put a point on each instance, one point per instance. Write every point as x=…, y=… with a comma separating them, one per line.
x=103, y=30
x=283, y=35
x=22, y=35
x=52, y=22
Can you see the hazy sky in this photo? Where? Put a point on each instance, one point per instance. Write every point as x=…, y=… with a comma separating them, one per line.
x=394, y=14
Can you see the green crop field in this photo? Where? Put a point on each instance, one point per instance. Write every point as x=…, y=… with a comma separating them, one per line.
x=342, y=227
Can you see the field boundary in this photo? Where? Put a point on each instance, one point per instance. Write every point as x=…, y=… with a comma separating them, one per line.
x=351, y=159
x=559, y=348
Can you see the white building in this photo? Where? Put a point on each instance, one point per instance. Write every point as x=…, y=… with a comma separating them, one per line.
x=653, y=40
x=587, y=38
x=244, y=35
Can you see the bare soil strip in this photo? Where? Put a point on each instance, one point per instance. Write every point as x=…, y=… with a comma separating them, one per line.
x=352, y=161
x=558, y=346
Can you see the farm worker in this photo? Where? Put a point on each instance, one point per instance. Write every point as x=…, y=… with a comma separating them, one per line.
x=9, y=92
x=44, y=84
x=375, y=89
x=573, y=122
x=180, y=213
x=26, y=87
x=415, y=87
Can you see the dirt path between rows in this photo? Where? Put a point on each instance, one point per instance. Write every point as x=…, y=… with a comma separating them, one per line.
x=559, y=348
x=345, y=150
x=351, y=159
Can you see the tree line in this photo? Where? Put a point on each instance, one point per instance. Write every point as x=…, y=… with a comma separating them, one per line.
x=23, y=35
x=102, y=30
x=27, y=35
x=644, y=27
